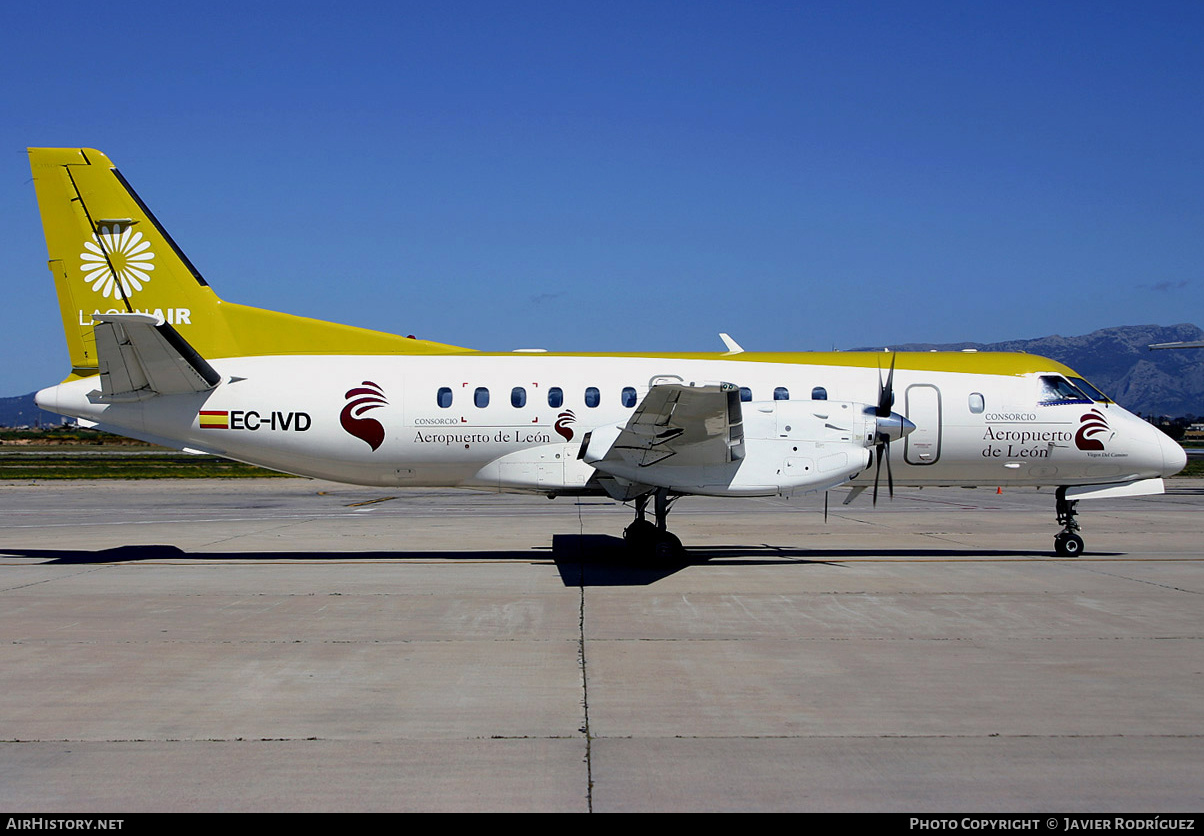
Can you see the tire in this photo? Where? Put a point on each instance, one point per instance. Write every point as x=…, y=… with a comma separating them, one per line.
x=1068, y=545
x=640, y=535
x=667, y=549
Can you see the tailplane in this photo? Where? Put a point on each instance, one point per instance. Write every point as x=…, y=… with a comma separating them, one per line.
x=109, y=255
x=142, y=356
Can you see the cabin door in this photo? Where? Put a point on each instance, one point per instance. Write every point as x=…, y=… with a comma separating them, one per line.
x=923, y=445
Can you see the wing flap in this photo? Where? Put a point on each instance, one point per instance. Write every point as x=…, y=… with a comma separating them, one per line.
x=691, y=425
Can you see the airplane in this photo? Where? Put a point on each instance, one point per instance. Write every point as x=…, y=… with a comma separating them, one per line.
x=157, y=356
x=1178, y=344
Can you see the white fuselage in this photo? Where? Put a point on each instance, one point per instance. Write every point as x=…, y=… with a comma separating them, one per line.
x=495, y=422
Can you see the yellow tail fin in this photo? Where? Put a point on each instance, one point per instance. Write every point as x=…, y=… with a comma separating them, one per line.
x=108, y=254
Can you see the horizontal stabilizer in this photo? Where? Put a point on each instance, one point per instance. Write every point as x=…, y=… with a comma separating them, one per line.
x=141, y=356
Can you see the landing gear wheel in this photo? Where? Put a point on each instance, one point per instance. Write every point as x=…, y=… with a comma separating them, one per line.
x=650, y=540
x=640, y=535
x=668, y=548
x=1068, y=544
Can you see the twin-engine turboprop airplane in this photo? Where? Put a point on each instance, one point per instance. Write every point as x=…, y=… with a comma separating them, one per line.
x=156, y=355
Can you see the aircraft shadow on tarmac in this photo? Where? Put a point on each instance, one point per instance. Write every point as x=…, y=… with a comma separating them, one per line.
x=581, y=559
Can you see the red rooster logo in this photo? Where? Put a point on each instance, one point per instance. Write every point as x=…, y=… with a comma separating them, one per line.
x=1093, y=423
x=367, y=396
x=562, y=424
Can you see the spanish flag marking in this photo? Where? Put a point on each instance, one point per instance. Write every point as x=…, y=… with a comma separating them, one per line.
x=214, y=419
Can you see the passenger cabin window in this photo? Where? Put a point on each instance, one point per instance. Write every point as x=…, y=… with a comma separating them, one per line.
x=781, y=393
x=555, y=397
x=518, y=397
x=977, y=402
x=1059, y=390
x=819, y=393
x=592, y=396
x=745, y=394
x=628, y=397
x=481, y=397
x=444, y=398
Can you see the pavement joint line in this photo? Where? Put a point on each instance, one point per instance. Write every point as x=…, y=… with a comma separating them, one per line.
x=1143, y=580
x=581, y=655
x=86, y=571
x=370, y=501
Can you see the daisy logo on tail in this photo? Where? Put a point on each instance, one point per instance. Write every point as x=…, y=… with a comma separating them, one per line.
x=117, y=256
x=364, y=398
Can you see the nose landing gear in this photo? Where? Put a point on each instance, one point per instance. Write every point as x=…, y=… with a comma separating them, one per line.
x=1067, y=543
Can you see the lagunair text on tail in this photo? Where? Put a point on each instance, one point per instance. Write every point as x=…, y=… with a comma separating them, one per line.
x=155, y=354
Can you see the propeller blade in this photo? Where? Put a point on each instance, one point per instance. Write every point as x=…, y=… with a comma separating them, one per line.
x=877, y=471
x=886, y=392
x=881, y=390
x=890, y=481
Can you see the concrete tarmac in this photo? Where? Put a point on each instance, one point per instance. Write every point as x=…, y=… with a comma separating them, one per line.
x=277, y=644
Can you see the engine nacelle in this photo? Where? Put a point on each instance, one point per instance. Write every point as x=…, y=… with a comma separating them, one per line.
x=789, y=447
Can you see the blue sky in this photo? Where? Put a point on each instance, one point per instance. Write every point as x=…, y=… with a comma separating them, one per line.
x=625, y=176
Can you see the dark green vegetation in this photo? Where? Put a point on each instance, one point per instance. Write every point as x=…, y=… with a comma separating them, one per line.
x=1194, y=469
x=74, y=453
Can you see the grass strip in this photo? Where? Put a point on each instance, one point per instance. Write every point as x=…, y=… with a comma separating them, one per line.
x=118, y=465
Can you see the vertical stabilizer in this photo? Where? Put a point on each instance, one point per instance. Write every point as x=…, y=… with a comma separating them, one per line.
x=109, y=254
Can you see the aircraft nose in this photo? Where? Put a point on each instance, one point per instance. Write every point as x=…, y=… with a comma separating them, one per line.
x=1174, y=458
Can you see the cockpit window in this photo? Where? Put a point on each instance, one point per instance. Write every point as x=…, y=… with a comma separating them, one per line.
x=1095, y=394
x=1059, y=390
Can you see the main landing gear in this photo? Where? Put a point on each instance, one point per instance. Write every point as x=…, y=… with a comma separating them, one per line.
x=1067, y=543
x=652, y=538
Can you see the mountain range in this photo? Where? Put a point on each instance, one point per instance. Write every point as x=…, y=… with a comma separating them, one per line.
x=1116, y=360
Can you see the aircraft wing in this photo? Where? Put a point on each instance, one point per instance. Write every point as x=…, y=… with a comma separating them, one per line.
x=141, y=356
x=692, y=425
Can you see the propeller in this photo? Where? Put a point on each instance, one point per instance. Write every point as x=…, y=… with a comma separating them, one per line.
x=886, y=399
x=889, y=426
